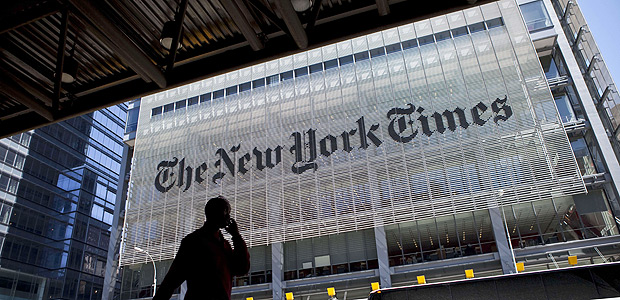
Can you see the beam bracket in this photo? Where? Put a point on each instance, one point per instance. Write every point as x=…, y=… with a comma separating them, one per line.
x=178, y=23
x=580, y=33
x=592, y=63
x=289, y=15
x=269, y=15
x=232, y=7
x=383, y=7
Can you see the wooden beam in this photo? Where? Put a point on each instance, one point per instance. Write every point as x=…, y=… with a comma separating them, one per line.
x=15, y=114
x=269, y=15
x=43, y=96
x=113, y=37
x=11, y=89
x=289, y=15
x=243, y=24
x=26, y=16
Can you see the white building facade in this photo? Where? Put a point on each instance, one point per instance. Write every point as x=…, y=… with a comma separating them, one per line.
x=470, y=140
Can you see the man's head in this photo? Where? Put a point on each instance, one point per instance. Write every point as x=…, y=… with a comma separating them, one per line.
x=217, y=212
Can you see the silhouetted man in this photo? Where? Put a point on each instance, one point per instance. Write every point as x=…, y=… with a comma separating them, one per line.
x=205, y=259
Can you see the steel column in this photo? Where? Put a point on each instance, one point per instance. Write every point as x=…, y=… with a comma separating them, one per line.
x=277, y=270
x=506, y=256
x=385, y=279
x=60, y=58
x=111, y=265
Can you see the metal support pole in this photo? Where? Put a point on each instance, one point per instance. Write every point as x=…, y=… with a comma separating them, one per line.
x=154, y=272
x=553, y=260
x=154, y=268
x=605, y=94
x=567, y=10
x=178, y=21
x=60, y=58
x=601, y=255
x=580, y=33
x=592, y=63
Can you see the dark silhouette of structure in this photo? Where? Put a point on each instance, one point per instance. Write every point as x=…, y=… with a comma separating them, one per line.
x=205, y=259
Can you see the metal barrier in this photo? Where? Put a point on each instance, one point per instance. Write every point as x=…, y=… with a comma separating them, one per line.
x=582, y=282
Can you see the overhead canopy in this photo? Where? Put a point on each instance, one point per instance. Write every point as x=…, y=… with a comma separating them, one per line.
x=116, y=44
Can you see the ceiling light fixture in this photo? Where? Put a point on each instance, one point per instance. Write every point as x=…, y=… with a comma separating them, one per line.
x=167, y=35
x=69, y=70
x=301, y=5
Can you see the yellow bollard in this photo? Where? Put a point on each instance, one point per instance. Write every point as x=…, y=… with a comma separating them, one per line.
x=520, y=267
x=374, y=286
x=469, y=273
x=421, y=279
x=331, y=292
x=572, y=260
x=249, y=298
x=289, y=296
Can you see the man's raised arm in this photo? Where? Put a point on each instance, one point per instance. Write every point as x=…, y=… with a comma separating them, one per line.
x=241, y=256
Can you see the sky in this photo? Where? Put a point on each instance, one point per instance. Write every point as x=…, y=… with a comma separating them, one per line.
x=603, y=17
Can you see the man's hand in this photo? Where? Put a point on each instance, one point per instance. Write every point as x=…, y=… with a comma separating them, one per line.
x=232, y=228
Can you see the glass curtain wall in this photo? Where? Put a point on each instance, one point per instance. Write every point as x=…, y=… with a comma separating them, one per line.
x=333, y=254
x=58, y=205
x=560, y=220
x=446, y=237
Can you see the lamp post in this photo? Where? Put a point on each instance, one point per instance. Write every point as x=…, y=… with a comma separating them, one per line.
x=154, y=268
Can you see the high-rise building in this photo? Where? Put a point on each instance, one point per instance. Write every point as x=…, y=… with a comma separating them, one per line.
x=473, y=140
x=58, y=194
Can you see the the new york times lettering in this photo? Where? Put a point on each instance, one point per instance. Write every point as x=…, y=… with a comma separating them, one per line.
x=174, y=172
x=405, y=124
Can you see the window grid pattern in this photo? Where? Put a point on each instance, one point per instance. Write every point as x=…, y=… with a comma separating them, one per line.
x=509, y=148
x=320, y=67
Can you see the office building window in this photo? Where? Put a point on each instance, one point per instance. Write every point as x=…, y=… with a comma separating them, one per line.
x=333, y=254
x=260, y=267
x=446, y=237
x=565, y=108
x=536, y=16
x=559, y=219
x=584, y=159
x=132, y=119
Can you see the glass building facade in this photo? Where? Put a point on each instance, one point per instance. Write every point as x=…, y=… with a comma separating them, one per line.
x=58, y=189
x=465, y=141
